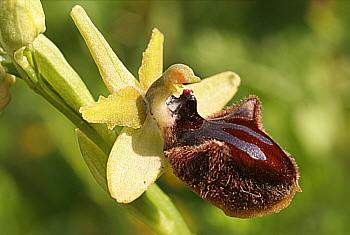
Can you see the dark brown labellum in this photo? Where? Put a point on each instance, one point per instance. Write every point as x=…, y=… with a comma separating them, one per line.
x=228, y=159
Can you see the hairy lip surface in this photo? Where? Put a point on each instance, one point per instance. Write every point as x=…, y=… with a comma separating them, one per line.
x=228, y=159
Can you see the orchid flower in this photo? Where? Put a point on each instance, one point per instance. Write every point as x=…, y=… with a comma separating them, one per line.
x=136, y=159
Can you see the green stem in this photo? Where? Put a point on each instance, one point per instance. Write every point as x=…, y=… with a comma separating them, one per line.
x=20, y=72
x=98, y=133
x=54, y=99
x=156, y=210
x=10, y=68
x=28, y=73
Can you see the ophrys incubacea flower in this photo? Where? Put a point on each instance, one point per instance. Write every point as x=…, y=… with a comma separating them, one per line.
x=136, y=159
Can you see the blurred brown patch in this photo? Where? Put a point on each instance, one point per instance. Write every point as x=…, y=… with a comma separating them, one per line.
x=35, y=140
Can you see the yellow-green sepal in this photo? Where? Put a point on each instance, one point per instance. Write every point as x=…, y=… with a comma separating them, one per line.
x=114, y=74
x=213, y=93
x=123, y=108
x=135, y=162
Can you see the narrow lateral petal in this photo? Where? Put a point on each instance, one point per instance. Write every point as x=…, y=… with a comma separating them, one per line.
x=123, y=108
x=215, y=92
x=135, y=162
x=115, y=75
x=152, y=61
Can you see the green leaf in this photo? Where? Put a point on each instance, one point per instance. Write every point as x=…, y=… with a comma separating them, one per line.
x=152, y=61
x=124, y=108
x=135, y=162
x=94, y=158
x=115, y=75
x=215, y=92
x=60, y=75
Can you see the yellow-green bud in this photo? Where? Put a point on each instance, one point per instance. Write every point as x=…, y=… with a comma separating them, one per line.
x=21, y=21
x=6, y=81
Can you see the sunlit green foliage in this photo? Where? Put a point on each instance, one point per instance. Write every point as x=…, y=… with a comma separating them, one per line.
x=294, y=55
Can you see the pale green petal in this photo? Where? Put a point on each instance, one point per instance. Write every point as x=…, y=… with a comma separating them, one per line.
x=123, y=108
x=214, y=92
x=152, y=61
x=94, y=158
x=135, y=162
x=112, y=70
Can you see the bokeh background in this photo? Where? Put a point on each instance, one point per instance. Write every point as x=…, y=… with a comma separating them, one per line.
x=295, y=55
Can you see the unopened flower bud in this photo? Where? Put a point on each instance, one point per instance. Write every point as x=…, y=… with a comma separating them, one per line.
x=6, y=81
x=21, y=21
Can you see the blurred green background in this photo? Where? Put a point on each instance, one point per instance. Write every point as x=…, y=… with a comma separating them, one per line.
x=295, y=55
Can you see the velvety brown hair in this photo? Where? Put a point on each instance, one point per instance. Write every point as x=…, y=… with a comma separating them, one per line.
x=229, y=160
